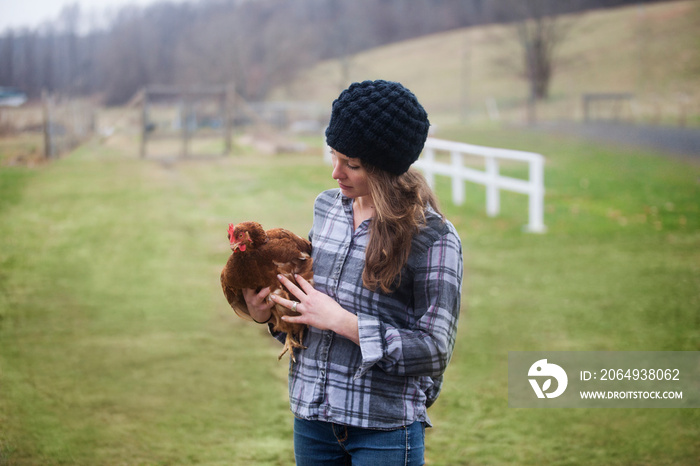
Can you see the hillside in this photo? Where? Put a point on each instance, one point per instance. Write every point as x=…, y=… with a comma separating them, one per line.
x=652, y=51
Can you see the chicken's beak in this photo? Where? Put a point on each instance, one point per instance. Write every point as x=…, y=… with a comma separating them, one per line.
x=238, y=247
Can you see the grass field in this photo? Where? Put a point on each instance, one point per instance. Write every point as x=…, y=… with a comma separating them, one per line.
x=117, y=346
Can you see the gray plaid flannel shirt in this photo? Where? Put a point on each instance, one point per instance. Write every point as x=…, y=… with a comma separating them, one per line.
x=406, y=337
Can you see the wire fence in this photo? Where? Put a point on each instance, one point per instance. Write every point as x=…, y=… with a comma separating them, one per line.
x=67, y=123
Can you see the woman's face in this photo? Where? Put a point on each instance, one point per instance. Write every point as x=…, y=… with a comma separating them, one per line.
x=350, y=175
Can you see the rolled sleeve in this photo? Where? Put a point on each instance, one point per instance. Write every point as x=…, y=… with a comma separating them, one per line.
x=372, y=342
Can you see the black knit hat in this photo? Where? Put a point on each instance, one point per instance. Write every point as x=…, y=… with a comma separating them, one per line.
x=381, y=123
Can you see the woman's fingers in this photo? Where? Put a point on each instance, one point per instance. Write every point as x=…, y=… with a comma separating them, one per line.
x=258, y=304
x=263, y=293
x=298, y=293
x=301, y=292
x=288, y=303
x=255, y=299
x=305, y=285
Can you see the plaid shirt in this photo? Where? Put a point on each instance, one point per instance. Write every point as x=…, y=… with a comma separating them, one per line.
x=406, y=337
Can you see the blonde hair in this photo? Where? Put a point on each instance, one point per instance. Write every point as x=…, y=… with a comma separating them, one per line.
x=400, y=203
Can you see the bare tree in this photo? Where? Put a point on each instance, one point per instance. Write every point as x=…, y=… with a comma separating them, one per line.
x=540, y=32
x=124, y=63
x=7, y=49
x=539, y=29
x=69, y=18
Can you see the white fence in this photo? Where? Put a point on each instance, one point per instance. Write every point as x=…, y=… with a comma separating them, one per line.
x=490, y=177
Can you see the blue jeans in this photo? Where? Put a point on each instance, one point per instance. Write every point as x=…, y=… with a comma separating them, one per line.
x=322, y=443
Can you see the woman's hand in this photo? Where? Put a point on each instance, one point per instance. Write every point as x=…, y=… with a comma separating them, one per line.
x=317, y=309
x=258, y=304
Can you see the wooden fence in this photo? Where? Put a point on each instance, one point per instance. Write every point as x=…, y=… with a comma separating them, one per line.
x=189, y=114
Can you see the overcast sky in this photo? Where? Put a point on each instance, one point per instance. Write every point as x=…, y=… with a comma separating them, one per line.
x=32, y=13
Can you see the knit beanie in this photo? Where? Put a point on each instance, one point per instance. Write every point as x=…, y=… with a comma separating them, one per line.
x=381, y=123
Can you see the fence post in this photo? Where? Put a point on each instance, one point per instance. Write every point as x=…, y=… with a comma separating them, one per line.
x=46, y=107
x=185, y=124
x=229, y=96
x=144, y=121
x=493, y=195
x=429, y=158
x=457, y=181
x=536, y=197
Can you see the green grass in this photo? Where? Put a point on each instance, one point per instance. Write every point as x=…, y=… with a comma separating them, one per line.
x=117, y=346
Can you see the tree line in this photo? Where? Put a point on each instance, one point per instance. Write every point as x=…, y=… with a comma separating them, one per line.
x=255, y=44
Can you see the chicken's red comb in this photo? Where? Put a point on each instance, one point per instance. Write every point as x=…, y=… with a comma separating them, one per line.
x=231, y=229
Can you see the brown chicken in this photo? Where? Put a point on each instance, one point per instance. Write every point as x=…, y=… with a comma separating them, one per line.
x=258, y=257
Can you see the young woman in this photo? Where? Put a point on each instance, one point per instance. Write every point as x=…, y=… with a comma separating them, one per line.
x=383, y=310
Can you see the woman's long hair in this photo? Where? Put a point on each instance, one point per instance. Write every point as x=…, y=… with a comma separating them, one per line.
x=400, y=203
